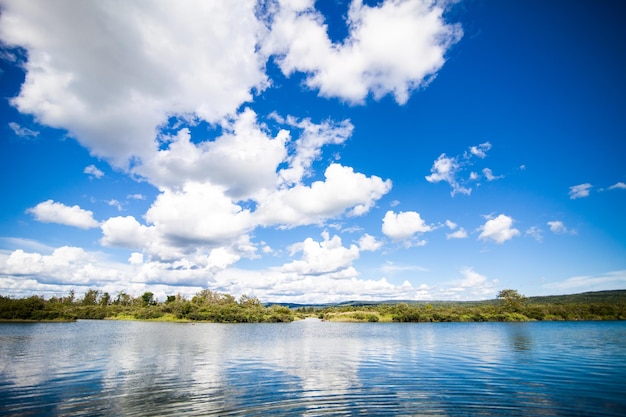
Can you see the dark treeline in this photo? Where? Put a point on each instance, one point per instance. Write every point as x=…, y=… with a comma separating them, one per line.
x=204, y=306
x=211, y=306
x=509, y=306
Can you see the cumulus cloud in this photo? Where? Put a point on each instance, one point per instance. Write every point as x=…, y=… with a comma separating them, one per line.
x=133, y=82
x=557, y=227
x=52, y=212
x=472, y=283
x=445, y=169
x=488, y=173
x=243, y=159
x=498, y=229
x=125, y=232
x=198, y=214
x=580, y=191
x=112, y=95
x=342, y=191
x=93, y=171
x=449, y=169
x=457, y=234
x=618, y=186
x=480, y=150
x=327, y=257
x=369, y=243
x=307, y=148
x=403, y=225
x=393, y=48
x=67, y=264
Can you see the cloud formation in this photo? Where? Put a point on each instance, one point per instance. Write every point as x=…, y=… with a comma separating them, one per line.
x=579, y=191
x=114, y=72
x=450, y=169
x=93, y=171
x=52, y=212
x=498, y=229
x=393, y=48
x=403, y=225
x=22, y=132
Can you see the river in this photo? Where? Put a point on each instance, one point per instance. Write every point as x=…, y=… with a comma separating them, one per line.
x=310, y=368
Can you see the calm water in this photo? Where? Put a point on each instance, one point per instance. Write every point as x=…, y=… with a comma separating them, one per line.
x=110, y=368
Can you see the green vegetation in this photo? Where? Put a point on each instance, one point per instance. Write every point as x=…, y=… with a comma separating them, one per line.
x=509, y=306
x=204, y=306
x=211, y=306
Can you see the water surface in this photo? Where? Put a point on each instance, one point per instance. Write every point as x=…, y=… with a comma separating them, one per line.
x=104, y=368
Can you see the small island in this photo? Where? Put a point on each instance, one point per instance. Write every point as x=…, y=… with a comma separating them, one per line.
x=210, y=306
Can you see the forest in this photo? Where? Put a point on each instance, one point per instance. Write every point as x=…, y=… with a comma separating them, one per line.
x=206, y=305
x=509, y=305
x=210, y=306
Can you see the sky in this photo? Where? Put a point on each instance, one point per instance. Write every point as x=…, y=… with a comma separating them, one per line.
x=313, y=151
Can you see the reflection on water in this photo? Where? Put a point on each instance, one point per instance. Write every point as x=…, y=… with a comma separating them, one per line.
x=95, y=368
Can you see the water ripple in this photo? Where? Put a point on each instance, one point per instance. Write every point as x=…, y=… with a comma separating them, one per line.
x=311, y=369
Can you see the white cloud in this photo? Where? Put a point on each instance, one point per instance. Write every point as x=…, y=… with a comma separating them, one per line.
x=612, y=280
x=136, y=258
x=112, y=73
x=369, y=243
x=243, y=160
x=557, y=227
x=489, y=175
x=449, y=169
x=343, y=191
x=403, y=225
x=393, y=48
x=480, y=150
x=125, y=232
x=391, y=268
x=579, y=191
x=328, y=257
x=130, y=80
x=52, y=212
x=22, y=132
x=446, y=169
x=114, y=203
x=308, y=145
x=275, y=285
x=69, y=265
x=458, y=234
x=198, y=214
x=620, y=185
x=472, y=283
x=93, y=171
x=498, y=229
x=535, y=232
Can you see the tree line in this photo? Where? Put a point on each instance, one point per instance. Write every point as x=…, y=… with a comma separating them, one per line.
x=212, y=306
x=205, y=305
x=509, y=305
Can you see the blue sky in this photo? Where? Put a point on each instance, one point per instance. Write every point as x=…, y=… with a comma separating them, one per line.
x=313, y=151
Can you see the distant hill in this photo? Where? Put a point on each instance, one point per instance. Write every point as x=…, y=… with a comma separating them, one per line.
x=593, y=297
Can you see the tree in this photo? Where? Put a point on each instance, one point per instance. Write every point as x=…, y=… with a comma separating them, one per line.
x=90, y=297
x=512, y=300
x=147, y=299
x=105, y=299
x=123, y=299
